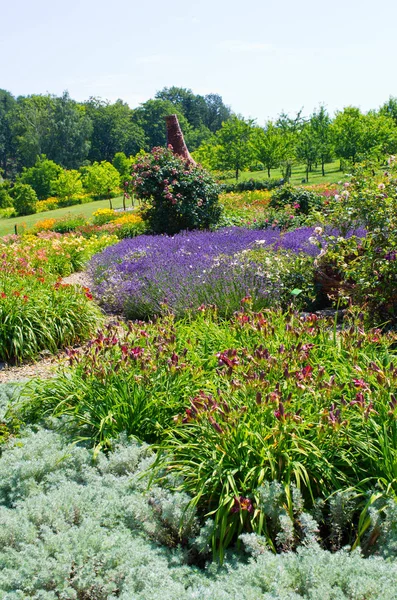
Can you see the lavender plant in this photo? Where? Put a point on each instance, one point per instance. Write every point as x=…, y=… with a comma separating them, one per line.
x=139, y=277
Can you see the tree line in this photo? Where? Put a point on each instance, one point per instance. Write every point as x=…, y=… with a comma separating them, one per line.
x=74, y=134
x=77, y=134
x=314, y=141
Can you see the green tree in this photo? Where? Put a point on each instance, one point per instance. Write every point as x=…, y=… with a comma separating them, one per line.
x=379, y=135
x=101, y=179
x=32, y=126
x=25, y=199
x=349, y=133
x=124, y=165
x=207, y=155
x=7, y=139
x=194, y=138
x=115, y=129
x=217, y=112
x=306, y=148
x=5, y=196
x=71, y=128
x=68, y=185
x=289, y=127
x=192, y=106
x=389, y=109
x=234, y=139
x=202, y=112
x=150, y=116
x=267, y=145
x=320, y=127
x=41, y=176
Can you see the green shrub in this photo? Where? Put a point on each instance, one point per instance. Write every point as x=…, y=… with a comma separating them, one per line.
x=67, y=187
x=363, y=269
x=291, y=272
x=302, y=200
x=102, y=180
x=5, y=197
x=250, y=185
x=25, y=199
x=41, y=176
x=69, y=223
x=6, y=213
x=178, y=195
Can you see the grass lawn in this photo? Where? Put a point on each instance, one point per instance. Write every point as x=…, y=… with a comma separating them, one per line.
x=8, y=225
x=332, y=174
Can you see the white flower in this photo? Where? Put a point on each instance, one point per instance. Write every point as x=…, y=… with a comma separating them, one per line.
x=312, y=240
x=259, y=241
x=318, y=230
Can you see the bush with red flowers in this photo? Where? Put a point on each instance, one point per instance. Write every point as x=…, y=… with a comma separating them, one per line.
x=177, y=195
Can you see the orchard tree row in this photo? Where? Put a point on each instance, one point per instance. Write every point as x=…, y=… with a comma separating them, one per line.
x=74, y=134
x=315, y=141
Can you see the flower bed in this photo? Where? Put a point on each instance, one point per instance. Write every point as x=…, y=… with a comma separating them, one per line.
x=37, y=311
x=139, y=276
x=263, y=419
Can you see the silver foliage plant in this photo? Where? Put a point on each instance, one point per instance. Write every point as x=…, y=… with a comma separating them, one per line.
x=73, y=528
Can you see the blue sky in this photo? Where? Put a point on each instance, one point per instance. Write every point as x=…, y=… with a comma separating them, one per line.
x=262, y=57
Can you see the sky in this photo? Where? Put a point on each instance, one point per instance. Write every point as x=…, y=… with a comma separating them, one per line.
x=262, y=56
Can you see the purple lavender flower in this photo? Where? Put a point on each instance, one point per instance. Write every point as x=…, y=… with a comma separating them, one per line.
x=139, y=276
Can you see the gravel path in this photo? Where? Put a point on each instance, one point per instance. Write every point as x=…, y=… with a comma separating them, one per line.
x=44, y=368
x=82, y=278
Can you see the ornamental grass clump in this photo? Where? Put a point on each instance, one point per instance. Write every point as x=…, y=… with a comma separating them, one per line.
x=39, y=314
x=178, y=195
x=37, y=311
